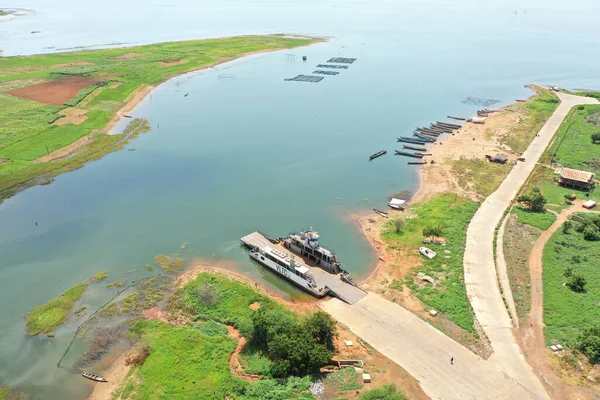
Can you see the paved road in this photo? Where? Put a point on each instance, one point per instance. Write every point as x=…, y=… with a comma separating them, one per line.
x=425, y=352
x=480, y=272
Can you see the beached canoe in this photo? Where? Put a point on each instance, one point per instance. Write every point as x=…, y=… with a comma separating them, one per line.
x=425, y=137
x=412, y=140
x=407, y=154
x=404, y=146
x=93, y=377
x=382, y=213
x=417, y=162
x=427, y=252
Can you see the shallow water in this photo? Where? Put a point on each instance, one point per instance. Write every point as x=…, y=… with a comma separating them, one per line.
x=250, y=151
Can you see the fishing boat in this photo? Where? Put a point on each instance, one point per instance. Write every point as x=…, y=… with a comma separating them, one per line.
x=429, y=130
x=382, y=213
x=93, y=377
x=456, y=118
x=396, y=203
x=427, y=252
x=404, y=146
x=378, y=154
x=407, y=154
x=428, y=135
x=453, y=126
x=417, y=162
x=424, y=137
x=412, y=140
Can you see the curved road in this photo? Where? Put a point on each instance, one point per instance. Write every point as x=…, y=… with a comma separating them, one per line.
x=480, y=271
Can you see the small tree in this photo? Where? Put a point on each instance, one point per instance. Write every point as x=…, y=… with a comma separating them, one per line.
x=399, y=225
x=207, y=293
x=591, y=232
x=535, y=201
x=576, y=283
x=322, y=328
x=567, y=226
x=596, y=137
x=568, y=272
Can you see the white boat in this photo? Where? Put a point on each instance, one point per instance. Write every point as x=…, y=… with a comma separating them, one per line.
x=286, y=266
x=427, y=252
x=396, y=203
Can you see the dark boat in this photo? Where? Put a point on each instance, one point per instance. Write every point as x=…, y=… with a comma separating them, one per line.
x=428, y=131
x=93, y=377
x=414, y=148
x=417, y=162
x=425, y=137
x=382, y=213
x=456, y=118
x=412, y=140
x=453, y=126
x=445, y=129
x=378, y=154
x=407, y=154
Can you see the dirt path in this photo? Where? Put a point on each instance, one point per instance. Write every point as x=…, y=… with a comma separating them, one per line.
x=532, y=333
x=115, y=375
x=64, y=151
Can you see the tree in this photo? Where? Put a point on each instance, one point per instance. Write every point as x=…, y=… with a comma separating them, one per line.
x=589, y=343
x=430, y=231
x=322, y=328
x=567, y=226
x=595, y=137
x=399, y=225
x=568, y=272
x=535, y=201
x=591, y=232
x=576, y=283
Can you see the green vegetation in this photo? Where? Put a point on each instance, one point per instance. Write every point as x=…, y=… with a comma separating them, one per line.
x=479, y=175
x=538, y=109
x=46, y=318
x=386, y=392
x=100, y=276
x=568, y=313
x=9, y=393
x=453, y=214
x=116, y=284
x=534, y=200
x=343, y=380
x=541, y=220
x=26, y=131
x=168, y=263
x=193, y=361
x=573, y=146
x=589, y=343
x=147, y=295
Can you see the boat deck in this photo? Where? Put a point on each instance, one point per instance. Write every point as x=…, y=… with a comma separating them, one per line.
x=337, y=287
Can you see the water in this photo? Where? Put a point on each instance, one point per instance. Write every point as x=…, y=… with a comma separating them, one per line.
x=256, y=152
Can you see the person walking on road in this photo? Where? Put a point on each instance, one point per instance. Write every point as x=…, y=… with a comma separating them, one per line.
x=451, y=360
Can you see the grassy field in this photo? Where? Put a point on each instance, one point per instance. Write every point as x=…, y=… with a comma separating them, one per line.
x=479, y=176
x=572, y=146
x=567, y=312
x=538, y=110
x=46, y=318
x=26, y=128
x=453, y=213
x=540, y=220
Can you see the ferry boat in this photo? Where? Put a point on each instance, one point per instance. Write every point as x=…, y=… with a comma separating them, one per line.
x=306, y=244
x=286, y=266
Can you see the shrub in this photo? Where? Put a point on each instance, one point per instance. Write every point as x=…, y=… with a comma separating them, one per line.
x=591, y=232
x=207, y=293
x=567, y=226
x=430, y=231
x=568, y=272
x=399, y=225
x=589, y=343
x=535, y=201
x=596, y=137
x=139, y=357
x=576, y=283
x=386, y=392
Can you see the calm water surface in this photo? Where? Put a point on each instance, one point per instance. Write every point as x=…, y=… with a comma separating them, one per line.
x=250, y=151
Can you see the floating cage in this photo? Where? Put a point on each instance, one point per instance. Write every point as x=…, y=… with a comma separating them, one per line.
x=306, y=78
x=332, y=66
x=341, y=60
x=326, y=72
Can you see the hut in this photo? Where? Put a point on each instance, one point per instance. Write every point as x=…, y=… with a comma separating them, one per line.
x=576, y=179
x=498, y=158
x=589, y=204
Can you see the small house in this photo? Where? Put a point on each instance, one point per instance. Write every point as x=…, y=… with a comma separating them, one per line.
x=576, y=179
x=589, y=204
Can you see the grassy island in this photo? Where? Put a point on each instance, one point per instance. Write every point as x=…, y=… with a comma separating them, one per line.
x=55, y=108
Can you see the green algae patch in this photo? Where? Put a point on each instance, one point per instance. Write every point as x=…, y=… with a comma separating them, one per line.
x=9, y=393
x=46, y=318
x=100, y=276
x=169, y=263
x=116, y=284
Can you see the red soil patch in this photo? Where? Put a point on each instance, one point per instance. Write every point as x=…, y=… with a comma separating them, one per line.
x=54, y=92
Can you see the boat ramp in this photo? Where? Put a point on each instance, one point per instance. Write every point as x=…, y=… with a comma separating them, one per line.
x=338, y=287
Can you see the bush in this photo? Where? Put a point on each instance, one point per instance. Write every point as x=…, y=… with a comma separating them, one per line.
x=576, y=283
x=207, y=293
x=535, y=200
x=430, y=231
x=139, y=357
x=322, y=328
x=386, y=392
x=596, y=137
x=591, y=232
x=399, y=225
x=211, y=328
x=588, y=342
x=568, y=272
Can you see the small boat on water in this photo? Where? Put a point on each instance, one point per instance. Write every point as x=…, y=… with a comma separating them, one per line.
x=412, y=140
x=414, y=148
x=382, y=213
x=427, y=252
x=378, y=154
x=396, y=204
x=93, y=377
x=453, y=126
x=417, y=162
x=457, y=118
x=407, y=154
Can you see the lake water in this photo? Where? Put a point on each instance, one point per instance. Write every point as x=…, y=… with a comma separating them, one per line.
x=246, y=150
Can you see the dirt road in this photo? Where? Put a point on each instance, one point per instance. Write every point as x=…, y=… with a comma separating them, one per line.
x=480, y=271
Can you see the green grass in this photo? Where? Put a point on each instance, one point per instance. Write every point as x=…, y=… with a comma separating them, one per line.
x=46, y=318
x=210, y=328
x=256, y=362
x=343, y=380
x=566, y=313
x=386, y=392
x=541, y=220
x=479, y=175
x=453, y=213
x=9, y=393
x=25, y=132
x=538, y=110
x=572, y=146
